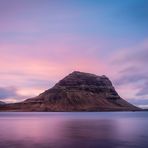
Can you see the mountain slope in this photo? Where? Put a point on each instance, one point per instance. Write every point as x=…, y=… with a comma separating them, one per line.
x=78, y=91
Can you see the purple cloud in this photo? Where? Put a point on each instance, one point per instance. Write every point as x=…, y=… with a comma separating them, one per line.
x=133, y=70
x=6, y=92
x=144, y=90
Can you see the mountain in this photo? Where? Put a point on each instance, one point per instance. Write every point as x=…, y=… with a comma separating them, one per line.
x=78, y=91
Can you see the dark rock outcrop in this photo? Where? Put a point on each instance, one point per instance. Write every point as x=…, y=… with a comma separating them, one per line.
x=77, y=92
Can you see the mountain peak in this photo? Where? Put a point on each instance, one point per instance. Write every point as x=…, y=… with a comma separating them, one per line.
x=77, y=78
x=79, y=73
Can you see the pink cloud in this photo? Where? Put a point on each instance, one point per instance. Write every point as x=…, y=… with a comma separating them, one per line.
x=43, y=61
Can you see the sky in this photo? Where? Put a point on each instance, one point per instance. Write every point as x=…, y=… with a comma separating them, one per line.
x=42, y=41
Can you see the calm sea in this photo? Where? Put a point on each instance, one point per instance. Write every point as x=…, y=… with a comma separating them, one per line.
x=74, y=130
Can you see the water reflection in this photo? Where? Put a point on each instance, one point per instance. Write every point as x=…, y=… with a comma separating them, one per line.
x=73, y=130
x=90, y=133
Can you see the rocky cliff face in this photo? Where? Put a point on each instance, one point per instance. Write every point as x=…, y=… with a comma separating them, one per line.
x=77, y=92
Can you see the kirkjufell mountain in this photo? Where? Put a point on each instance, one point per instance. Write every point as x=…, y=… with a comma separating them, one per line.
x=78, y=91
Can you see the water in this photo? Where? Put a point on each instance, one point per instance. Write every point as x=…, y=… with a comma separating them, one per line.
x=74, y=130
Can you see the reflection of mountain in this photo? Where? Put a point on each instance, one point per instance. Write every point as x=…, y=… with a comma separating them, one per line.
x=76, y=92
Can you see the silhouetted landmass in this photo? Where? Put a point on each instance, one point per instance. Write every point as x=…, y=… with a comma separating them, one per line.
x=78, y=91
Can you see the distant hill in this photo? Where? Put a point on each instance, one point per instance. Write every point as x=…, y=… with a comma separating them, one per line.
x=145, y=109
x=78, y=91
x=2, y=103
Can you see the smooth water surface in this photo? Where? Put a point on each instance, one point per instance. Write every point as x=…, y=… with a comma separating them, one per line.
x=74, y=130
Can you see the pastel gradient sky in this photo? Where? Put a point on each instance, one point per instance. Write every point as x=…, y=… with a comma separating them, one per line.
x=41, y=41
